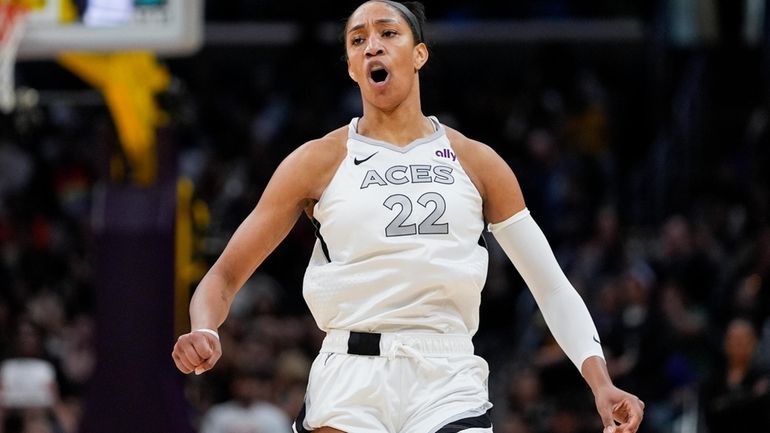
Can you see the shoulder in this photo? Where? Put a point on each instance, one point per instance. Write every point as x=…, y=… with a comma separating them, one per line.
x=322, y=151
x=474, y=153
x=269, y=412
x=492, y=176
x=313, y=164
x=476, y=157
x=222, y=410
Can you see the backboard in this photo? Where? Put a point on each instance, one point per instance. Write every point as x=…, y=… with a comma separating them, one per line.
x=165, y=27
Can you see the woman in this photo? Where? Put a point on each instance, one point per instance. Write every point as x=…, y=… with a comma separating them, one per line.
x=399, y=201
x=737, y=397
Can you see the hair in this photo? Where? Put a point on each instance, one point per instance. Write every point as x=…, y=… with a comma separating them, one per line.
x=413, y=13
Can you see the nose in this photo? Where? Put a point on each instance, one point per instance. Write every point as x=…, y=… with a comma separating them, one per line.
x=373, y=47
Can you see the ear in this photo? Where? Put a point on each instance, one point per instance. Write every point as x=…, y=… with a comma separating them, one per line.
x=420, y=55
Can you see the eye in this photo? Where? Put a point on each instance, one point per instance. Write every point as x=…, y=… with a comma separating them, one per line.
x=356, y=40
x=389, y=33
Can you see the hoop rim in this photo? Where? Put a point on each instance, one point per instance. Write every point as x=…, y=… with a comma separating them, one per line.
x=12, y=24
x=11, y=13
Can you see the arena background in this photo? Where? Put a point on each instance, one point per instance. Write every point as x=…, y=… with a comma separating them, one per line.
x=638, y=131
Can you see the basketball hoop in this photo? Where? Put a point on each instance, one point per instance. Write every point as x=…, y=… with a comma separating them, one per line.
x=12, y=19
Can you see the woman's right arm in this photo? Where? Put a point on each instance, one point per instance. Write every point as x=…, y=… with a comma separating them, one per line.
x=296, y=184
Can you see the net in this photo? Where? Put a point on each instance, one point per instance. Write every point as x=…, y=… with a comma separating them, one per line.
x=12, y=20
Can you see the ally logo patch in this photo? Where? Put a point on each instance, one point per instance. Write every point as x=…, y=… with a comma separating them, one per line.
x=446, y=153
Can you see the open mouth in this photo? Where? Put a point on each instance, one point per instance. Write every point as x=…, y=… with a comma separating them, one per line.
x=379, y=75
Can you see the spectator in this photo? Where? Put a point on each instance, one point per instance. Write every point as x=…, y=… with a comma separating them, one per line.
x=249, y=410
x=738, y=396
x=28, y=386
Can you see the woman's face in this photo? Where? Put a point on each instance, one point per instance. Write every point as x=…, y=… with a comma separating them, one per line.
x=740, y=341
x=382, y=57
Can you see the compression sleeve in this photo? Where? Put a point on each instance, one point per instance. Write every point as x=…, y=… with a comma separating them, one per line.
x=564, y=311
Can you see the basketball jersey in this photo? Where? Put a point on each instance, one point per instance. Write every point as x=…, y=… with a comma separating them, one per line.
x=398, y=240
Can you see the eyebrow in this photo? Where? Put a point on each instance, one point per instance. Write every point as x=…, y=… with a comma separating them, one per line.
x=379, y=21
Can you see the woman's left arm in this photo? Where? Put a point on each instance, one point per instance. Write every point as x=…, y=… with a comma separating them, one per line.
x=564, y=311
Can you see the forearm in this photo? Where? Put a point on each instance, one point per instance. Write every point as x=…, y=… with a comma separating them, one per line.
x=265, y=227
x=562, y=307
x=211, y=301
x=571, y=324
x=594, y=370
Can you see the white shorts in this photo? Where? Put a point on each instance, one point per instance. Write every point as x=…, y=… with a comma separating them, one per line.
x=397, y=383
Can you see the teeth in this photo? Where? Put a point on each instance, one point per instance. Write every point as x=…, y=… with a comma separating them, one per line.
x=377, y=68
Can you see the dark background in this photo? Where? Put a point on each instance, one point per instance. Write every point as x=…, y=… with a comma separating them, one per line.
x=643, y=156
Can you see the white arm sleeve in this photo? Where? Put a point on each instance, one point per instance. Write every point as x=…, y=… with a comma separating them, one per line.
x=564, y=311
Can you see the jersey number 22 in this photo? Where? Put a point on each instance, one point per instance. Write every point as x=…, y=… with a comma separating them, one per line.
x=429, y=226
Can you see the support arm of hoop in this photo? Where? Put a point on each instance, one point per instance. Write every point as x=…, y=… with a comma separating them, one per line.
x=128, y=81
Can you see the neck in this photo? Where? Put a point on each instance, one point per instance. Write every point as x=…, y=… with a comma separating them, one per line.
x=736, y=374
x=740, y=364
x=400, y=125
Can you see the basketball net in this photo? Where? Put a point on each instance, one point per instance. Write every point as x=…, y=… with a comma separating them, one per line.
x=12, y=19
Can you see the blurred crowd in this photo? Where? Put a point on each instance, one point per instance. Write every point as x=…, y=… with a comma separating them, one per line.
x=659, y=213
x=257, y=10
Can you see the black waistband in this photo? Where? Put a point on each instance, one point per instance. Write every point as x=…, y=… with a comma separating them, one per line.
x=364, y=343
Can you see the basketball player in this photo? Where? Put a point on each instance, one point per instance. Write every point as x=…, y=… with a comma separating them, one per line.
x=399, y=201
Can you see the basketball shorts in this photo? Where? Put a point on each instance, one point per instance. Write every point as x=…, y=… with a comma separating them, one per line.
x=397, y=383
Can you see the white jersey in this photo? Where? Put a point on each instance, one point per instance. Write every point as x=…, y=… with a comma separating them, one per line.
x=398, y=246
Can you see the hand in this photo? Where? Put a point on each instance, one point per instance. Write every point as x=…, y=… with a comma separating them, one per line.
x=621, y=412
x=196, y=351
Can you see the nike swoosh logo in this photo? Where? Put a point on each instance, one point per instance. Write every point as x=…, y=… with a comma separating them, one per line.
x=357, y=161
x=596, y=339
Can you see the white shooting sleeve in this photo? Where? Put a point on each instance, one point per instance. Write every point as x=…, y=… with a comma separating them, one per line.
x=564, y=311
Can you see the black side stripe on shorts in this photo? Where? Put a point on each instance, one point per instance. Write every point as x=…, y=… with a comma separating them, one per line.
x=483, y=241
x=301, y=419
x=324, y=247
x=481, y=421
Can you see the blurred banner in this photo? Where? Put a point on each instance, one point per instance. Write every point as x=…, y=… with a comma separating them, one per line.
x=135, y=387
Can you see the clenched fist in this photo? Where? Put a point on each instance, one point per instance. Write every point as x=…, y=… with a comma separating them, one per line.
x=197, y=351
x=621, y=411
